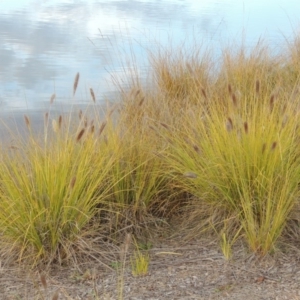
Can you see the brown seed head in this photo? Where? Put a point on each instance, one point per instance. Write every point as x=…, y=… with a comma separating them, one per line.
x=127, y=241
x=80, y=134
x=164, y=125
x=43, y=280
x=141, y=101
x=152, y=128
x=93, y=95
x=59, y=121
x=257, y=86
x=246, y=127
x=27, y=121
x=72, y=183
x=203, y=93
x=80, y=114
x=196, y=148
x=229, y=89
x=76, y=80
x=263, y=148
x=274, y=144
x=13, y=147
x=234, y=99
x=272, y=98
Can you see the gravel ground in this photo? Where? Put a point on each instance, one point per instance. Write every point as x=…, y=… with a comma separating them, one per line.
x=196, y=271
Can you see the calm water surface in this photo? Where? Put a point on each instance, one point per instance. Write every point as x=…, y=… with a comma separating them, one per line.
x=45, y=43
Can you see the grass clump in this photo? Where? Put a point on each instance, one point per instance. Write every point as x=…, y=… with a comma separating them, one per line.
x=140, y=263
x=49, y=191
x=230, y=137
x=244, y=159
x=214, y=144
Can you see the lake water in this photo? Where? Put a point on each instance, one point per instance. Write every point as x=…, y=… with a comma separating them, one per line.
x=45, y=43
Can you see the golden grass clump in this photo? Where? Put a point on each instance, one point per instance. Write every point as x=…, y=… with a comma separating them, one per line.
x=214, y=143
x=247, y=163
x=229, y=134
x=50, y=190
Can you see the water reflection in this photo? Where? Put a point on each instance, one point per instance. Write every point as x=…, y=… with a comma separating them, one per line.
x=44, y=44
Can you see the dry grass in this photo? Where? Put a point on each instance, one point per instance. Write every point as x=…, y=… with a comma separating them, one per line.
x=229, y=135
x=211, y=146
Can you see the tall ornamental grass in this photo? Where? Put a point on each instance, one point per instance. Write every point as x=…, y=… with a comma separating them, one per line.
x=50, y=189
x=230, y=133
x=206, y=140
x=243, y=156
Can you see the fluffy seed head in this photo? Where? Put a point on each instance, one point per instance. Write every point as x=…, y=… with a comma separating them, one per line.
x=257, y=86
x=196, y=148
x=203, y=93
x=72, y=183
x=27, y=121
x=229, y=89
x=93, y=95
x=152, y=128
x=141, y=101
x=246, y=127
x=127, y=241
x=125, y=246
x=43, y=280
x=80, y=134
x=164, y=125
x=59, y=121
x=274, y=144
x=234, y=99
x=76, y=80
x=272, y=98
